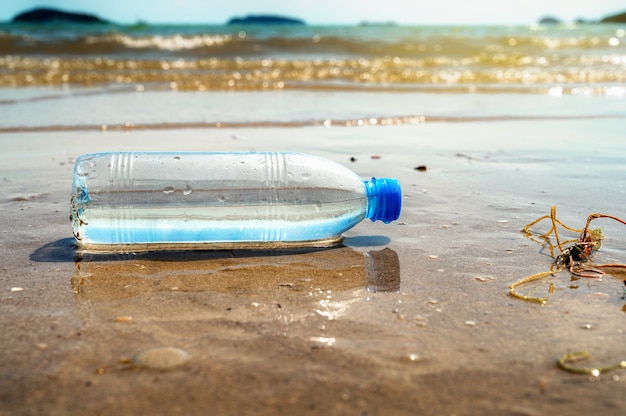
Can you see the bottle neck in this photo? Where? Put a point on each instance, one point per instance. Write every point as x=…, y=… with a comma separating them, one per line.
x=384, y=199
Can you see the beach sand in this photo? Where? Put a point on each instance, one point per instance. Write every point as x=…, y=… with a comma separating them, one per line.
x=299, y=332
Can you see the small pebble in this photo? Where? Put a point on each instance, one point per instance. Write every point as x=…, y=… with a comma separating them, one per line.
x=420, y=321
x=161, y=358
x=432, y=256
x=17, y=289
x=421, y=168
x=470, y=323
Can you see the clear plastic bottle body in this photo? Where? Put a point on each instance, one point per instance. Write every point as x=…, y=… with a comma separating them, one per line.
x=218, y=199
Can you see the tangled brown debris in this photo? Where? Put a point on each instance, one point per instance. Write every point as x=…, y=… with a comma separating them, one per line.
x=577, y=259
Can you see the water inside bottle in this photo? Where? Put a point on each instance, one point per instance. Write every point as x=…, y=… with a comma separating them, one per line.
x=217, y=215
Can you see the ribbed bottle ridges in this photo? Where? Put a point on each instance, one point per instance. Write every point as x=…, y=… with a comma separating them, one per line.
x=276, y=178
x=121, y=186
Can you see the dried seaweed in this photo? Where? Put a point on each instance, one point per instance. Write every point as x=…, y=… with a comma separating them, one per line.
x=565, y=359
x=574, y=255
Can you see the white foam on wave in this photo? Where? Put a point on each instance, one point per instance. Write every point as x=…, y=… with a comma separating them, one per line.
x=163, y=42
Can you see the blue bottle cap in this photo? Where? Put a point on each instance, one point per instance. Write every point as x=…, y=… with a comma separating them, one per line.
x=384, y=199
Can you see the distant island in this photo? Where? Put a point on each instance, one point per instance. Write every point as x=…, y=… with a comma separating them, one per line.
x=549, y=20
x=616, y=18
x=46, y=15
x=265, y=20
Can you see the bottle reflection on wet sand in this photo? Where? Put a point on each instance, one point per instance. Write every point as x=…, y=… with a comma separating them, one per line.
x=118, y=276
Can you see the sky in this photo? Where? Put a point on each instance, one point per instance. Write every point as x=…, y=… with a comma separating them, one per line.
x=426, y=12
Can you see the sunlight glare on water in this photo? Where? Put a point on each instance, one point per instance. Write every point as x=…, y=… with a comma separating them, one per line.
x=205, y=58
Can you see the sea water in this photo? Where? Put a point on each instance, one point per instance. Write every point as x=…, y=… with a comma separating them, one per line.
x=579, y=58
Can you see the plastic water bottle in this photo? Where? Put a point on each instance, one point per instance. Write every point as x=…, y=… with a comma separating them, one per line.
x=147, y=200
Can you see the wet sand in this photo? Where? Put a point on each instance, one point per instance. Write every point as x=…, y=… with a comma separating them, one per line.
x=307, y=332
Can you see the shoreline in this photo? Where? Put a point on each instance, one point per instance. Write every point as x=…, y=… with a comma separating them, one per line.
x=371, y=122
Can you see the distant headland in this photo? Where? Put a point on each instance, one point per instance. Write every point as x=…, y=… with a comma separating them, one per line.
x=46, y=15
x=615, y=18
x=265, y=20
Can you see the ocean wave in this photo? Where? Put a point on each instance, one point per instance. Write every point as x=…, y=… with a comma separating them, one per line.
x=160, y=42
x=111, y=44
x=324, y=43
